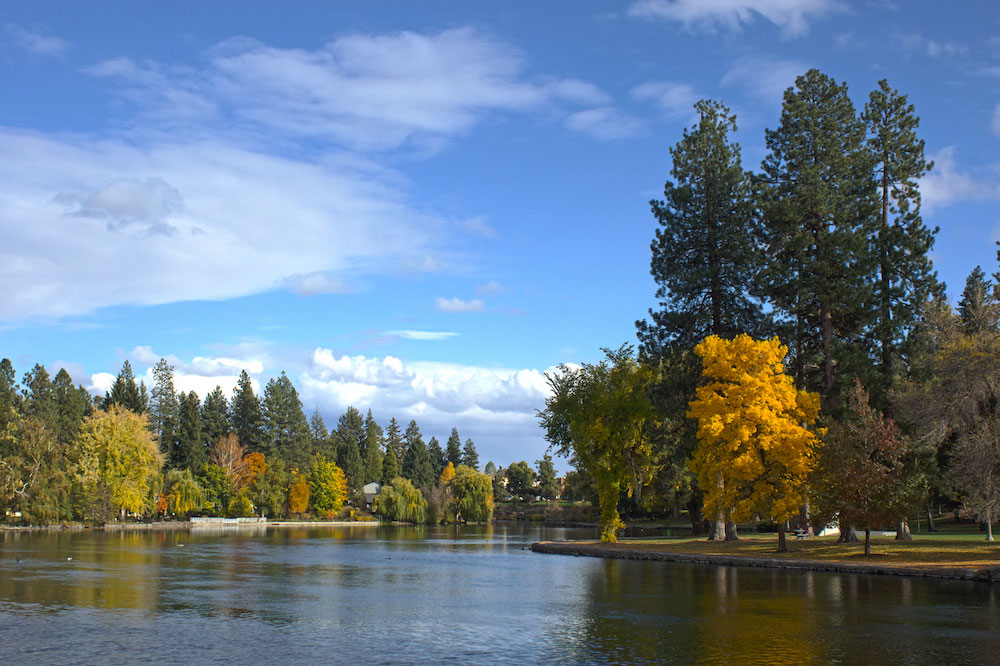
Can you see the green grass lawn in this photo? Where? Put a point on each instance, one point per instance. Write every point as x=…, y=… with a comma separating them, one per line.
x=963, y=548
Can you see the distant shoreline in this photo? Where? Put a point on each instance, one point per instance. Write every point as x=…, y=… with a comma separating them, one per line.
x=594, y=549
x=187, y=525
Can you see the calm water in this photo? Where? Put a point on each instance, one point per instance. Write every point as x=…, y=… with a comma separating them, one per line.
x=475, y=595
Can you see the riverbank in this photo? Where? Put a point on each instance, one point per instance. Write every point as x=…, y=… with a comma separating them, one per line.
x=924, y=557
x=186, y=525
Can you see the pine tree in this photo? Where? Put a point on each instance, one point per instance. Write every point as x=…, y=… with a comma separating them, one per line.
x=164, y=408
x=978, y=306
x=470, y=457
x=453, y=449
x=39, y=399
x=320, y=436
x=72, y=406
x=214, y=418
x=125, y=392
x=416, y=464
x=818, y=201
x=390, y=466
x=350, y=438
x=548, y=487
x=901, y=244
x=189, y=448
x=394, y=440
x=286, y=431
x=246, y=415
x=373, y=449
x=437, y=457
x=10, y=399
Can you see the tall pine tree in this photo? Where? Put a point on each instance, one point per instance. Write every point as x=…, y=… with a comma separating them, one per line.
x=286, y=431
x=373, y=449
x=246, y=417
x=417, y=465
x=164, y=409
x=189, y=447
x=470, y=457
x=214, y=418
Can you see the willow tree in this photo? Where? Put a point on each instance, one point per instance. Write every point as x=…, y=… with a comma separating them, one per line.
x=599, y=416
x=755, y=450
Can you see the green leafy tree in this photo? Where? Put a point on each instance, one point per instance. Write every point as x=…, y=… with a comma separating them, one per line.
x=217, y=486
x=268, y=489
x=241, y=506
x=118, y=463
x=417, y=464
x=470, y=457
x=490, y=468
x=400, y=501
x=286, y=431
x=471, y=495
x=184, y=494
x=327, y=487
x=189, y=445
x=34, y=478
x=164, y=409
x=599, y=415
x=10, y=399
x=521, y=481
x=214, y=419
x=548, y=487
x=818, y=202
x=246, y=416
x=901, y=243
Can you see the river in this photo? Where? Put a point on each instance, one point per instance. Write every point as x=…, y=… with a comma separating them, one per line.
x=453, y=595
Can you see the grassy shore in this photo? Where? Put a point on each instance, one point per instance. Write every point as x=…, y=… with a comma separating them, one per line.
x=955, y=551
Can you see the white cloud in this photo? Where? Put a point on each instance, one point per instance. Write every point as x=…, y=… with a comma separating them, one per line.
x=604, y=123
x=320, y=282
x=791, y=16
x=673, y=99
x=478, y=226
x=35, y=42
x=126, y=201
x=458, y=305
x=206, y=366
x=423, y=335
x=946, y=183
x=495, y=407
x=764, y=77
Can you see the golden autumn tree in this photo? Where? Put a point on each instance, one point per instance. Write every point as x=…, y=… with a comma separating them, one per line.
x=755, y=449
x=298, y=495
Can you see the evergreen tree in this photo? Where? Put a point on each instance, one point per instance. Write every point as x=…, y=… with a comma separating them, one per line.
x=490, y=468
x=10, y=400
x=373, y=449
x=390, y=466
x=320, y=436
x=72, y=406
x=978, y=306
x=214, y=418
x=350, y=440
x=453, y=450
x=394, y=440
x=125, y=392
x=286, y=431
x=548, y=487
x=818, y=202
x=189, y=449
x=417, y=465
x=39, y=399
x=470, y=457
x=901, y=243
x=437, y=457
x=706, y=251
x=164, y=408
x=246, y=415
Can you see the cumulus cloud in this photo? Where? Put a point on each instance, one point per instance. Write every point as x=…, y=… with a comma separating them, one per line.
x=947, y=183
x=673, y=99
x=495, y=407
x=458, y=305
x=36, y=42
x=791, y=16
x=423, y=335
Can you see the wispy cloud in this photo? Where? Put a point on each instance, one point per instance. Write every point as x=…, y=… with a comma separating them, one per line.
x=946, y=183
x=423, y=335
x=458, y=305
x=491, y=287
x=791, y=16
x=673, y=99
x=36, y=42
x=320, y=282
x=604, y=123
x=764, y=77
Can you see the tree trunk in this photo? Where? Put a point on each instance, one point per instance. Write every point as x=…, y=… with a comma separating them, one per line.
x=782, y=545
x=903, y=530
x=930, y=519
x=868, y=543
x=694, y=513
x=827, y=319
x=989, y=525
x=718, y=532
x=884, y=278
x=731, y=534
x=677, y=508
x=847, y=534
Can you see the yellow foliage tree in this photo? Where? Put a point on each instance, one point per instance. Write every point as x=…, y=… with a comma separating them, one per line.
x=755, y=449
x=118, y=462
x=298, y=495
x=447, y=474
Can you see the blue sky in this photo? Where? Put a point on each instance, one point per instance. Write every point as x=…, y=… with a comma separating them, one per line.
x=417, y=208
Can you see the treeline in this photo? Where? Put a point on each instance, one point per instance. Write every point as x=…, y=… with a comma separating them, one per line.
x=825, y=250
x=65, y=455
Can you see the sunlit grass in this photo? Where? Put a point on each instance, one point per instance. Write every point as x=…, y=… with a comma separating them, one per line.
x=959, y=549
